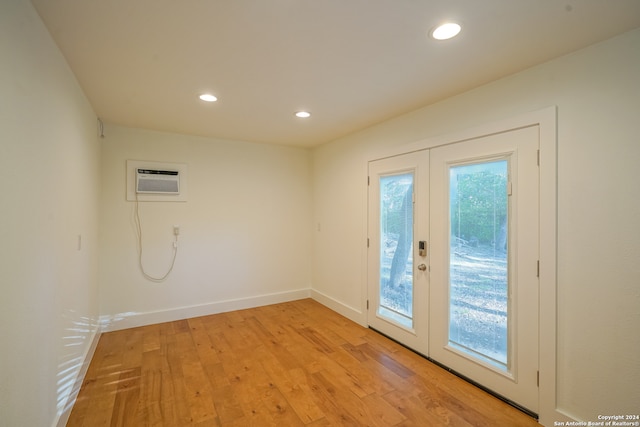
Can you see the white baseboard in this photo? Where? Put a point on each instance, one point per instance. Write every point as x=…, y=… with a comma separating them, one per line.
x=347, y=311
x=132, y=319
x=63, y=416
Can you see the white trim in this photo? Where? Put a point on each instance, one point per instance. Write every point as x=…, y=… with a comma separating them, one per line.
x=364, y=252
x=339, y=307
x=548, y=388
x=62, y=417
x=531, y=118
x=131, y=320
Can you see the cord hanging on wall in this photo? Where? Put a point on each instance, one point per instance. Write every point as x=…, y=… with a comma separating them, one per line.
x=176, y=232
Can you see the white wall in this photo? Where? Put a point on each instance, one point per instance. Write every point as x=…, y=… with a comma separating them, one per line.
x=245, y=229
x=597, y=94
x=49, y=172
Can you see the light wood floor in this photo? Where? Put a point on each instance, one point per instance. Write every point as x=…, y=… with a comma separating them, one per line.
x=290, y=364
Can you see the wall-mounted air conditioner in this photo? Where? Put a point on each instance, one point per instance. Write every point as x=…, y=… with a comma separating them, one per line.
x=157, y=181
x=149, y=181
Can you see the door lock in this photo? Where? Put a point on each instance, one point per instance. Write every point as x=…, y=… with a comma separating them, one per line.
x=422, y=248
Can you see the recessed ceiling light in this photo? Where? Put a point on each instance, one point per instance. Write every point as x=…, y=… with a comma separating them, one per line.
x=208, y=97
x=446, y=31
x=303, y=114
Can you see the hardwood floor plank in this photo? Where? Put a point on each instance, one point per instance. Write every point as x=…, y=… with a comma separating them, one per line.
x=344, y=378
x=204, y=346
x=281, y=413
x=181, y=326
x=368, y=381
x=383, y=411
x=413, y=409
x=298, y=397
x=229, y=408
x=174, y=400
x=350, y=407
x=126, y=400
x=151, y=338
x=315, y=338
x=199, y=392
x=386, y=360
x=216, y=375
x=150, y=408
x=291, y=364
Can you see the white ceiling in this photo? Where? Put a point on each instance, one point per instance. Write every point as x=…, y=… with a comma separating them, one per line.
x=352, y=63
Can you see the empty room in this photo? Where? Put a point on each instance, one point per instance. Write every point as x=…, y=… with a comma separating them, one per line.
x=296, y=212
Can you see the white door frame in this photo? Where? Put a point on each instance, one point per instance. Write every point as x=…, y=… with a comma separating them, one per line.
x=546, y=119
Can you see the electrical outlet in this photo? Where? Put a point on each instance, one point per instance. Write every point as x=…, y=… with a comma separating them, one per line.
x=176, y=230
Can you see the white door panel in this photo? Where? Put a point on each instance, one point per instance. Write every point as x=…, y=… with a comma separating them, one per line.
x=484, y=284
x=398, y=276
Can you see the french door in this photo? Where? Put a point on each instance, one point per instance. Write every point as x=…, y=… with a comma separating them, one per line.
x=452, y=261
x=398, y=272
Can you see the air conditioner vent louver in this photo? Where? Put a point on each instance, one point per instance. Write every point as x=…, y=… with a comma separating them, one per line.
x=155, y=181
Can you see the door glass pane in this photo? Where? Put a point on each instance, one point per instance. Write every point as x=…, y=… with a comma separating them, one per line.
x=396, y=243
x=478, y=285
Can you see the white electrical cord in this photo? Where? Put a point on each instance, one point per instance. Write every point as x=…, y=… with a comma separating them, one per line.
x=139, y=235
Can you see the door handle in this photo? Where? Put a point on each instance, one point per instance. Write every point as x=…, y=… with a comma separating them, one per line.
x=422, y=267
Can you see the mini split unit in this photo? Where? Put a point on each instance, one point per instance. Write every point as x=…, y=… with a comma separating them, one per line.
x=155, y=181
